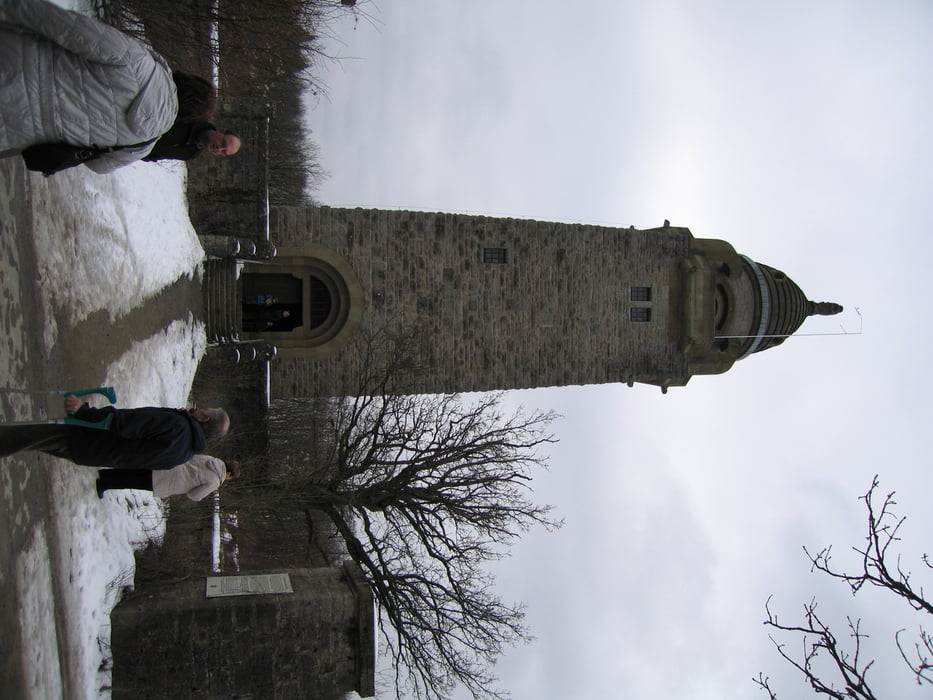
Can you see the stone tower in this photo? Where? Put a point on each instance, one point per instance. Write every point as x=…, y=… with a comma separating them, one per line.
x=510, y=303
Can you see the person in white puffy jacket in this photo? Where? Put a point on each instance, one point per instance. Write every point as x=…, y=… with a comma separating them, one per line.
x=68, y=78
x=199, y=476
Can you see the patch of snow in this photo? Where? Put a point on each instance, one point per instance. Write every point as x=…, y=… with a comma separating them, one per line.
x=114, y=241
x=159, y=371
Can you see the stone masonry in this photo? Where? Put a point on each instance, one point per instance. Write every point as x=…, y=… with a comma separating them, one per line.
x=173, y=642
x=504, y=303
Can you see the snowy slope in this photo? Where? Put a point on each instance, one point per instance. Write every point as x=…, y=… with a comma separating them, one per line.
x=103, y=243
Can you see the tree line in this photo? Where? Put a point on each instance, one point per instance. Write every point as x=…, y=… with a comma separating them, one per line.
x=268, y=55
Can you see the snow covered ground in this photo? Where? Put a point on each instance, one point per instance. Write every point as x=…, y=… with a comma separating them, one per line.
x=104, y=244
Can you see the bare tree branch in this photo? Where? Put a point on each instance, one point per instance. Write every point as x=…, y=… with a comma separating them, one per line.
x=880, y=568
x=819, y=643
x=877, y=570
x=763, y=682
x=922, y=667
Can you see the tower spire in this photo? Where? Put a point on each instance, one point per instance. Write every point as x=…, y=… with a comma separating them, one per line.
x=823, y=308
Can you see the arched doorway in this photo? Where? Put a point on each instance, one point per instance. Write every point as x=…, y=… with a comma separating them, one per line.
x=306, y=305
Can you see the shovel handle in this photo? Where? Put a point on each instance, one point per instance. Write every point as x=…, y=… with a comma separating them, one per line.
x=107, y=392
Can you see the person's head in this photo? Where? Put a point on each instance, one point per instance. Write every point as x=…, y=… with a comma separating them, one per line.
x=214, y=421
x=197, y=98
x=223, y=142
x=233, y=469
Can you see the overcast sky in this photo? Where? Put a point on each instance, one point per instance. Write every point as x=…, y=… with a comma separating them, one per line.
x=797, y=131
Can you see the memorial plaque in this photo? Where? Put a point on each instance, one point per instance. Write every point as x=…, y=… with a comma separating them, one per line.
x=253, y=584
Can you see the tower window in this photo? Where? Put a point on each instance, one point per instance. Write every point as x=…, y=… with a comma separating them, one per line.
x=640, y=314
x=495, y=256
x=640, y=293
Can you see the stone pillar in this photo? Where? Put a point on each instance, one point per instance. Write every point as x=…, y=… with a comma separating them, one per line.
x=171, y=641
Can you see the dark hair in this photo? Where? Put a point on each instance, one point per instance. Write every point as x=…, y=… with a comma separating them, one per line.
x=197, y=98
x=233, y=468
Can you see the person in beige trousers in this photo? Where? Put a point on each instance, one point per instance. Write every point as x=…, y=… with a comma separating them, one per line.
x=199, y=476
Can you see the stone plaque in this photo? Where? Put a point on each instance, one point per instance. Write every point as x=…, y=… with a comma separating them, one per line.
x=254, y=584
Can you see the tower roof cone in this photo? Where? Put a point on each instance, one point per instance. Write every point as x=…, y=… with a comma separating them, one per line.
x=784, y=307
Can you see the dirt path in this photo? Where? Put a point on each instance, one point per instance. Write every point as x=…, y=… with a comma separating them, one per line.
x=24, y=506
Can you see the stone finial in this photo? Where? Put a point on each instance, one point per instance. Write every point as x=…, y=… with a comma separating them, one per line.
x=823, y=308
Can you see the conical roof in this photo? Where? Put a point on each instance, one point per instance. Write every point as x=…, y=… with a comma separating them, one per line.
x=783, y=307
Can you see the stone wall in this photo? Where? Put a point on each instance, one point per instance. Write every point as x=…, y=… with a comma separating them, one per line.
x=166, y=632
x=317, y=642
x=556, y=312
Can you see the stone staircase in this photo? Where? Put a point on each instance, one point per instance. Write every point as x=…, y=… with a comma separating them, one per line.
x=223, y=307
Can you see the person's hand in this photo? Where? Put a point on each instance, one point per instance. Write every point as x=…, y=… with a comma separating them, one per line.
x=72, y=403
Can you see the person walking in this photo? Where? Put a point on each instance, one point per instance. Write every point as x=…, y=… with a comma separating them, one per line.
x=137, y=438
x=198, y=477
x=68, y=80
x=186, y=140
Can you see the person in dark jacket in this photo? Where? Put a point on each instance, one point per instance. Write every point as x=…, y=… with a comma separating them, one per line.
x=138, y=438
x=187, y=140
x=68, y=78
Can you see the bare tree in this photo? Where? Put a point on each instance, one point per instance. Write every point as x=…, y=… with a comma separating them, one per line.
x=424, y=491
x=881, y=568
